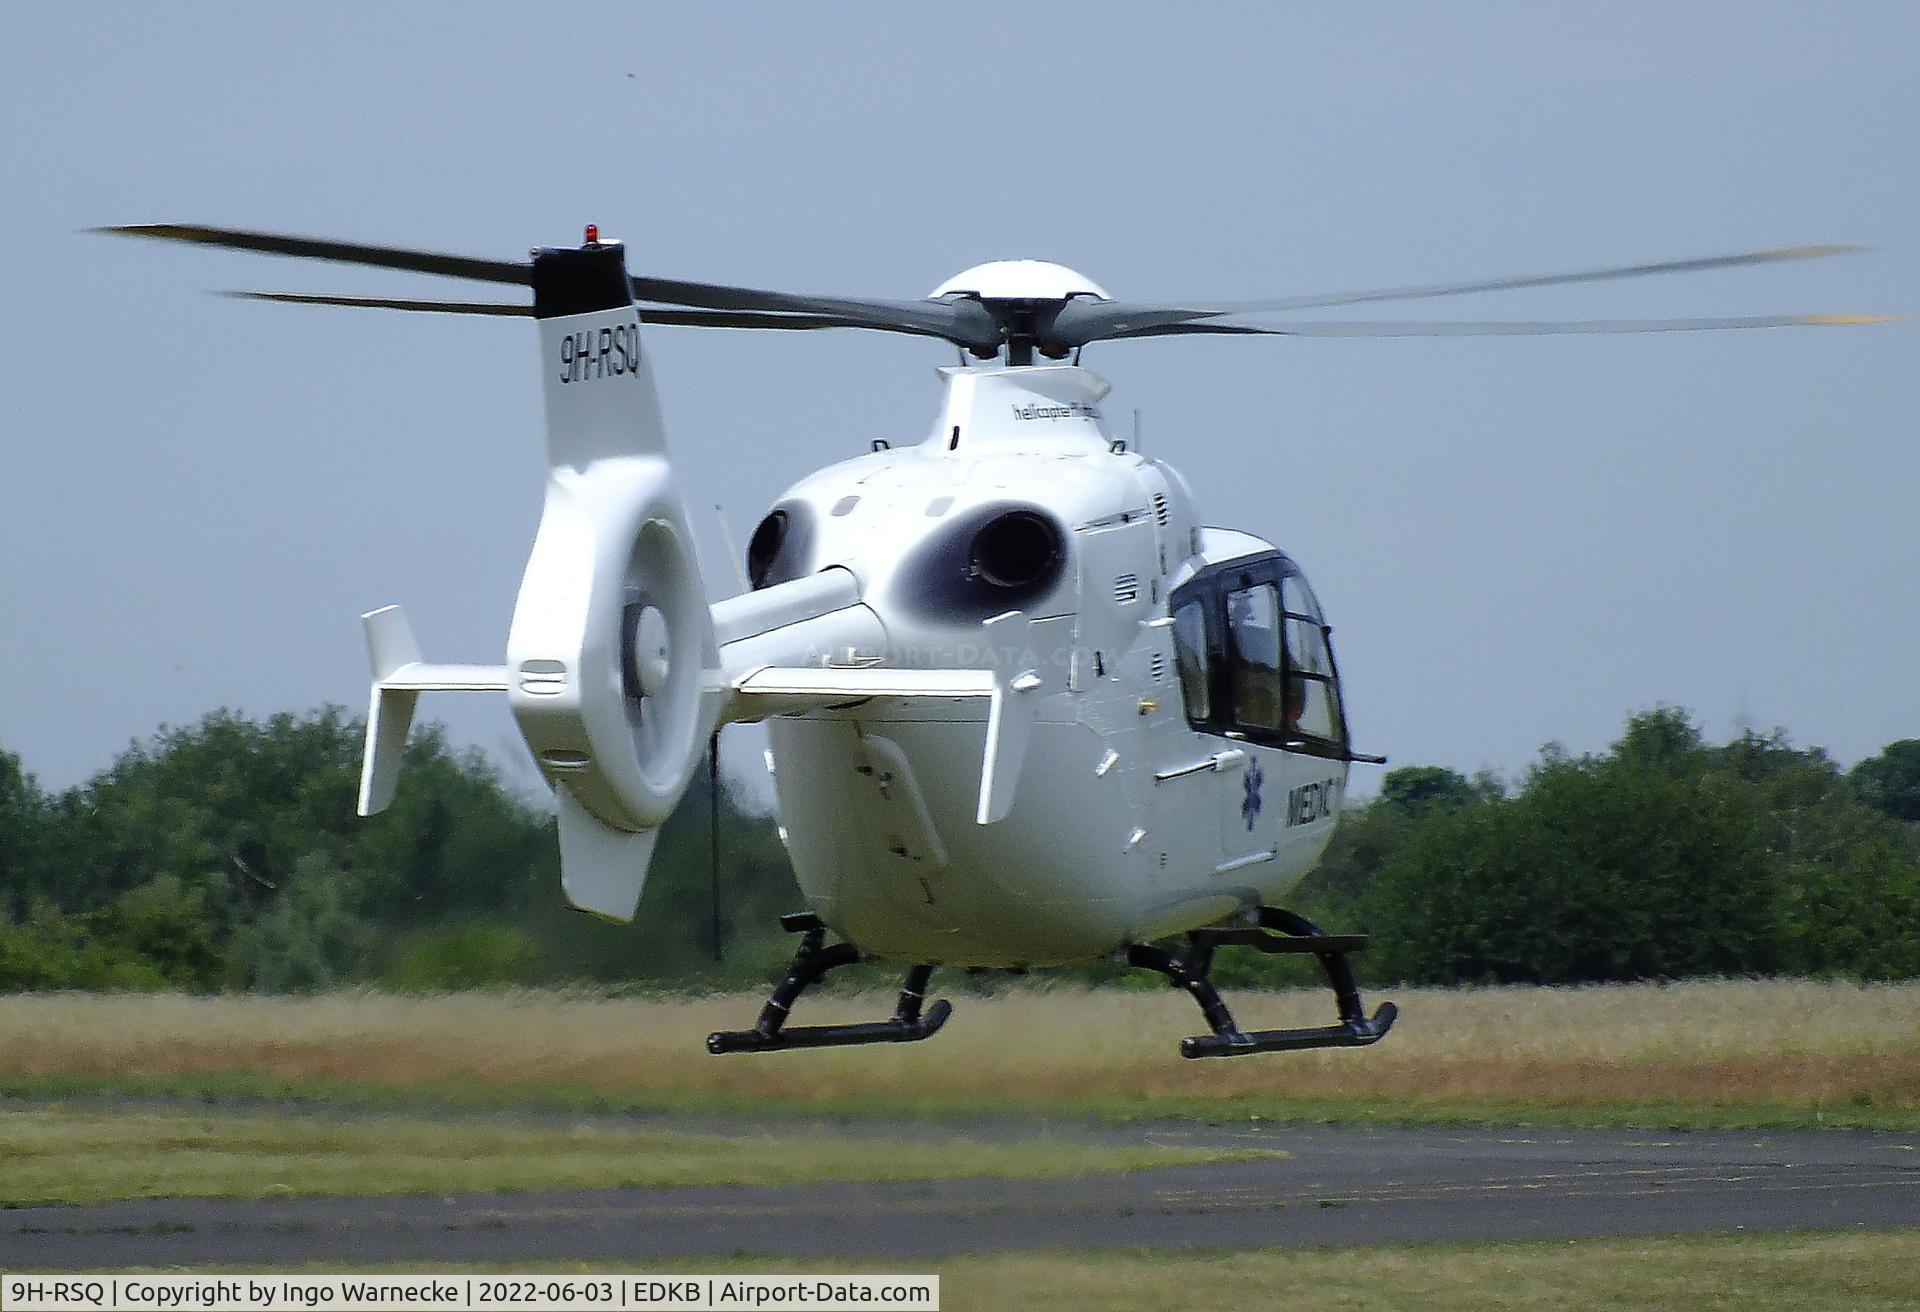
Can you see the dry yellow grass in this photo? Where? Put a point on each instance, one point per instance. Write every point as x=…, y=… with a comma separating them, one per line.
x=1739, y=1051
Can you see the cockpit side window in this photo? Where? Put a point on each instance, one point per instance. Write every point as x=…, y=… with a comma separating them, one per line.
x=1313, y=695
x=1298, y=598
x=1190, y=657
x=1253, y=654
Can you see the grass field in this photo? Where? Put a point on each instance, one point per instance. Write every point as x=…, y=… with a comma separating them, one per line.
x=1796, y=1273
x=78, y=1155
x=1758, y=1053
x=1871, y=1272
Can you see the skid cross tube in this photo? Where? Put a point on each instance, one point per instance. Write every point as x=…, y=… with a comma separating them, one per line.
x=1190, y=971
x=810, y=964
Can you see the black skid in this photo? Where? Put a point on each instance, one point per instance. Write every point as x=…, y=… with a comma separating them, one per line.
x=1189, y=970
x=810, y=964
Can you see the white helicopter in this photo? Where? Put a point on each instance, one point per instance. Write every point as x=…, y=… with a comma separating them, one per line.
x=1025, y=708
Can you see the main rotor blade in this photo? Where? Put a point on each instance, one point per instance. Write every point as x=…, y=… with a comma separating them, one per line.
x=1771, y=255
x=1085, y=320
x=386, y=303
x=648, y=313
x=1500, y=328
x=340, y=252
x=965, y=323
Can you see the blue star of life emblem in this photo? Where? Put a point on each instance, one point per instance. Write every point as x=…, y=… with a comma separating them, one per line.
x=1250, y=805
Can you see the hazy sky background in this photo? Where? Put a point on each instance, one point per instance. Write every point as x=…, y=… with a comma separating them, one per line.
x=1517, y=540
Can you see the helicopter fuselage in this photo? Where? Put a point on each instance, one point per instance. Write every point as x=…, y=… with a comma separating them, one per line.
x=1180, y=771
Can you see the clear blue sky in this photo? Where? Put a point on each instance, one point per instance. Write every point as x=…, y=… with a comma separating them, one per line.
x=1517, y=540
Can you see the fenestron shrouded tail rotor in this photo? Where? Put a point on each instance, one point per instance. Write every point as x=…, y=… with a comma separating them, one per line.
x=1021, y=307
x=612, y=672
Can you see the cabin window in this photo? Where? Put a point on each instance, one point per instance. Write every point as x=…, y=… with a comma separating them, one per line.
x=1190, y=656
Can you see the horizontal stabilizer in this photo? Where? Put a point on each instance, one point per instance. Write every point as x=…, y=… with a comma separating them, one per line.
x=830, y=687
x=1011, y=692
x=420, y=676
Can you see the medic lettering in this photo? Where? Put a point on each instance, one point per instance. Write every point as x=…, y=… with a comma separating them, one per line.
x=610, y=352
x=1314, y=801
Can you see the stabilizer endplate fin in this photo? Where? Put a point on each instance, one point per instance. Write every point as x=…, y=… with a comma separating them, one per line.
x=1010, y=723
x=399, y=677
x=389, y=718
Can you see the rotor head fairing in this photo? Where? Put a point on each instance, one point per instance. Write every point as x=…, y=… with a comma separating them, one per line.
x=1019, y=280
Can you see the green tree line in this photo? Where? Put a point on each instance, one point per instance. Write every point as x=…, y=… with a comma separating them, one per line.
x=1663, y=857
x=226, y=856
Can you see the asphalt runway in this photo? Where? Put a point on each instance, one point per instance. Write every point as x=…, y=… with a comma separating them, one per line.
x=1339, y=1186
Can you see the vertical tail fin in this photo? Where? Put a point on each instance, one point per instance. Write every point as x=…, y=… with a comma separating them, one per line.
x=614, y=673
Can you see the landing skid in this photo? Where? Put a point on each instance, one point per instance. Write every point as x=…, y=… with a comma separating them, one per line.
x=810, y=964
x=1189, y=970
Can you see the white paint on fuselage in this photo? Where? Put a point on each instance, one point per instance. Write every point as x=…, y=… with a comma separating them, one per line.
x=877, y=800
